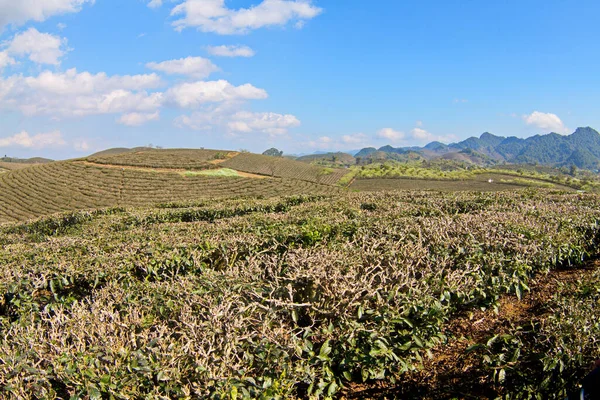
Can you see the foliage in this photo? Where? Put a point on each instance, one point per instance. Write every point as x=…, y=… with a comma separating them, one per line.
x=287, y=297
x=273, y=152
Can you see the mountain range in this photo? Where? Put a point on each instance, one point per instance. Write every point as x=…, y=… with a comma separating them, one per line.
x=581, y=148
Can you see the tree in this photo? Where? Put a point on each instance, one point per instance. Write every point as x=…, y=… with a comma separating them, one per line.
x=573, y=170
x=273, y=152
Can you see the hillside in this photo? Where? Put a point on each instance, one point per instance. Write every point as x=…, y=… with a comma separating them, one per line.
x=149, y=177
x=582, y=149
x=338, y=159
x=15, y=160
x=283, y=168
x=118, y=150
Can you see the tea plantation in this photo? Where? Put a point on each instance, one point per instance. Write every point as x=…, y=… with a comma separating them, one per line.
x=406, y=294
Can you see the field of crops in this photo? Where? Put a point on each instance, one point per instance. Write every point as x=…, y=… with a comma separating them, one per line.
x=10, y=166
x=354, y=295
x=65, y=186
x=188, y=159
x=479, y=182
x=284, y=168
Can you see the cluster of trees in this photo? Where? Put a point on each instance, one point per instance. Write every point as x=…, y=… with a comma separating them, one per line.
x=273, y=152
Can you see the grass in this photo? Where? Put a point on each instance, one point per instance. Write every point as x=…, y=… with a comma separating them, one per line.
x=223, y=172
x=299, y=296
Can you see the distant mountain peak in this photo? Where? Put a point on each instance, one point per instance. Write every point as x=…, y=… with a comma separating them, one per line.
x=487, y=135
x=586, y=131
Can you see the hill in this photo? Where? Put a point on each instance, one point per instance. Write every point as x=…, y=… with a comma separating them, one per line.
x=34, y=160
x=149, y=177
x=582, y=149
x=118, y=150
x=334, y=159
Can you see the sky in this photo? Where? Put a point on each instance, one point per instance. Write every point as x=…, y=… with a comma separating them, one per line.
x=79, y=76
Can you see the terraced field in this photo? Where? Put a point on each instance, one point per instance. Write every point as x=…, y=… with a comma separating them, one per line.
x=284, y=168
x=65, y=186
x=10, y=166
x=189, y=159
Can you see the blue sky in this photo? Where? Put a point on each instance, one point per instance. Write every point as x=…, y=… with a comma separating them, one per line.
x=77, y=76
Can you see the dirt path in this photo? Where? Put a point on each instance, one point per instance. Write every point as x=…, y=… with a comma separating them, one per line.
x=452, y=373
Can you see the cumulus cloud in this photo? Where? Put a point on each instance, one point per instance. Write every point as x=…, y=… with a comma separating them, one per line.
x=323, y=142
x=194, y=94
x=214, y=16
x=17, y=12
x=231, y=51
x=42, y=48
x=195, y=67
x=421, y=135
x=228, y=118
x=79, y=94
x=139, y=99
x=546, y=121
x=155, y=3
x=267, y=122
x=5, y=60
x=138, y=119
x=391, y=134
x=336, y=143
x=355, y=139
x=39, y=141
x=81, y=145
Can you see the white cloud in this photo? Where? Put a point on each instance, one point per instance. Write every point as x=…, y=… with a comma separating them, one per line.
x=5, y=60
x=155, y=3
x=231, y=51
x=137, y=100
x=324, y=142
x=81, y=145
x=195, y=67
x=79, y=94
x=458, y=101
x=228, y=118
x=422, y=135
x=270, y=123
x=39, y=141
x=355, y=139
x=190, y=95
x=61, y=26
x=346, y=141
x=42, y=48
x=138, y=119
x=17, y=12
x=214, y=16
x=546, y=121
x=391, y=134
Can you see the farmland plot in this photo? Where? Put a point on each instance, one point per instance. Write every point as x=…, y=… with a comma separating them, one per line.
x=297, y=297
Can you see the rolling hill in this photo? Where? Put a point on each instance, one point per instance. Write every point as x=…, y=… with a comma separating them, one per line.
x=149, y=177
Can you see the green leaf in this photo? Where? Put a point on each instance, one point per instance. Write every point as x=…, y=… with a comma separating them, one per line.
x=325, y=350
